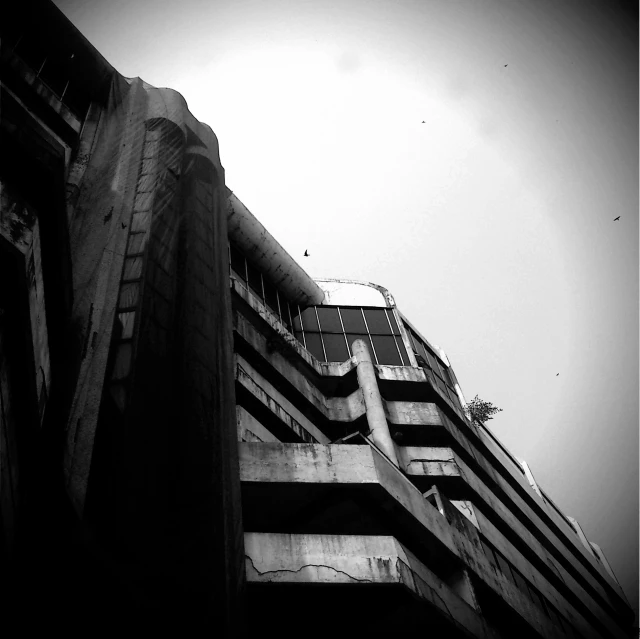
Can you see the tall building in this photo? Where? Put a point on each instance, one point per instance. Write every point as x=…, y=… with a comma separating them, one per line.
x=196, y=435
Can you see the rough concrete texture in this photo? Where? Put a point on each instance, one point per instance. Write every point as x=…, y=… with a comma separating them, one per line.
x=355, y=559
x=148, y=234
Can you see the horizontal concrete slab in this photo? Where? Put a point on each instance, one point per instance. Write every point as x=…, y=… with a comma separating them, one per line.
x=356, y=560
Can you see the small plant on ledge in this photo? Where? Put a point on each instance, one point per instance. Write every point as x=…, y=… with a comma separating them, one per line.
x=478, y=410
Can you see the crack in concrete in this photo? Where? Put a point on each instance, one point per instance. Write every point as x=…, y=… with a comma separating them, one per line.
x=266, y=572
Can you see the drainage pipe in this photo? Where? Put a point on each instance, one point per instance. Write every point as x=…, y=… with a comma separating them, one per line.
x=373, y=401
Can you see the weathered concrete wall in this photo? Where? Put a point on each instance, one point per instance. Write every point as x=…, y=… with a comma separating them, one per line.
x=356, y=560
x=152, y=440
x=295, y=464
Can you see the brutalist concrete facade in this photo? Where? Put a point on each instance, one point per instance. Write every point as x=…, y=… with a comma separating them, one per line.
x=197, y=436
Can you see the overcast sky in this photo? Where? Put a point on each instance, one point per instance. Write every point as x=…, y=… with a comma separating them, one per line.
x=491, y=223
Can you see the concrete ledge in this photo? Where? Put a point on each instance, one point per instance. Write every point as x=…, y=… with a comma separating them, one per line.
x=357, y=560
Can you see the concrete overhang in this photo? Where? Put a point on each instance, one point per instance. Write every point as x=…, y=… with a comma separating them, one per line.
x=267, y=254
x=365, y=563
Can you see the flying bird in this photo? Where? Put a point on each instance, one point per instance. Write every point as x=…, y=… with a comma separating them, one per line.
x=306, y=254
x=422, y=121
x=124, y=226
x=557, y=374
x=615, y=219
x=506, y=65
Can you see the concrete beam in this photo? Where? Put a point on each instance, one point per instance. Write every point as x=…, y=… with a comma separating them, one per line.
x=265, y=252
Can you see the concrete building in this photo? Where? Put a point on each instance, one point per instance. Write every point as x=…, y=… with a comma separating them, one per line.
x=197, y=436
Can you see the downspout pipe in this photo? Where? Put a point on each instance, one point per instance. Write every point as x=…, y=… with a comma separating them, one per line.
x=260, y=247
x=373, y=401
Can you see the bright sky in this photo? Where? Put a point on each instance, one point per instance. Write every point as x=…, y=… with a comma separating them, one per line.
x=492, y=223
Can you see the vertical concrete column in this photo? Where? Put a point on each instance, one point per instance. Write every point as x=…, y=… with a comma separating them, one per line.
x=373, y=401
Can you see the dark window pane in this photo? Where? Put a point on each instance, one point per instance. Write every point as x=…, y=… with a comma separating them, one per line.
x=314, y=345
x=299, y=337
x=295, y=317
x=271, y=296
x=392, y=319
x=432, y=362
x=377, y=321
x=336, y=347
x=77, y=98
x=351, y=338
x=255, y=282
x=31, y=50
x=446, y=375
x=488, y=551
x=237, y=262
x=127, y=321
x=55, y=73
x=403, y=351
x=329, y=320
x=123, y=362
x=442, y=387
x=137, y=242
x=132, y=268
x=286, y=310
x=386, y=350
x=128, y=295
x=352, y=320
x=309, y=320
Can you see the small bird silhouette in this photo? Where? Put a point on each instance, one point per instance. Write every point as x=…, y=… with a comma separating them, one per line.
x=615, y=219
x=124, y=226
x=306, y=254
x=422, y=121
x=557, y=374
x=107, y=217
x=506, y=65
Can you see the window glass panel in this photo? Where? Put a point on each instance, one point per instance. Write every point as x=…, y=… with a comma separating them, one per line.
x=295, y=313
x=314, y=345
x=351, y=338
x=127, y=321
x=237, y=262
x=123, y=362
x=336, y=347
x=286, y=309
x=129, y=295
x=137, y=242
x=386, y=350
x=76, y=97
x=377, y=321
x=55, y=73
x=271, y=296
x=132, y=268
x=329, y=320
x=352, y=320
x=119, y=395
x=403, y=351
x=392, y=319
x=309, y=320
x=31, y=50
x=432, y=362
x=255, y=281
x=445, y=374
